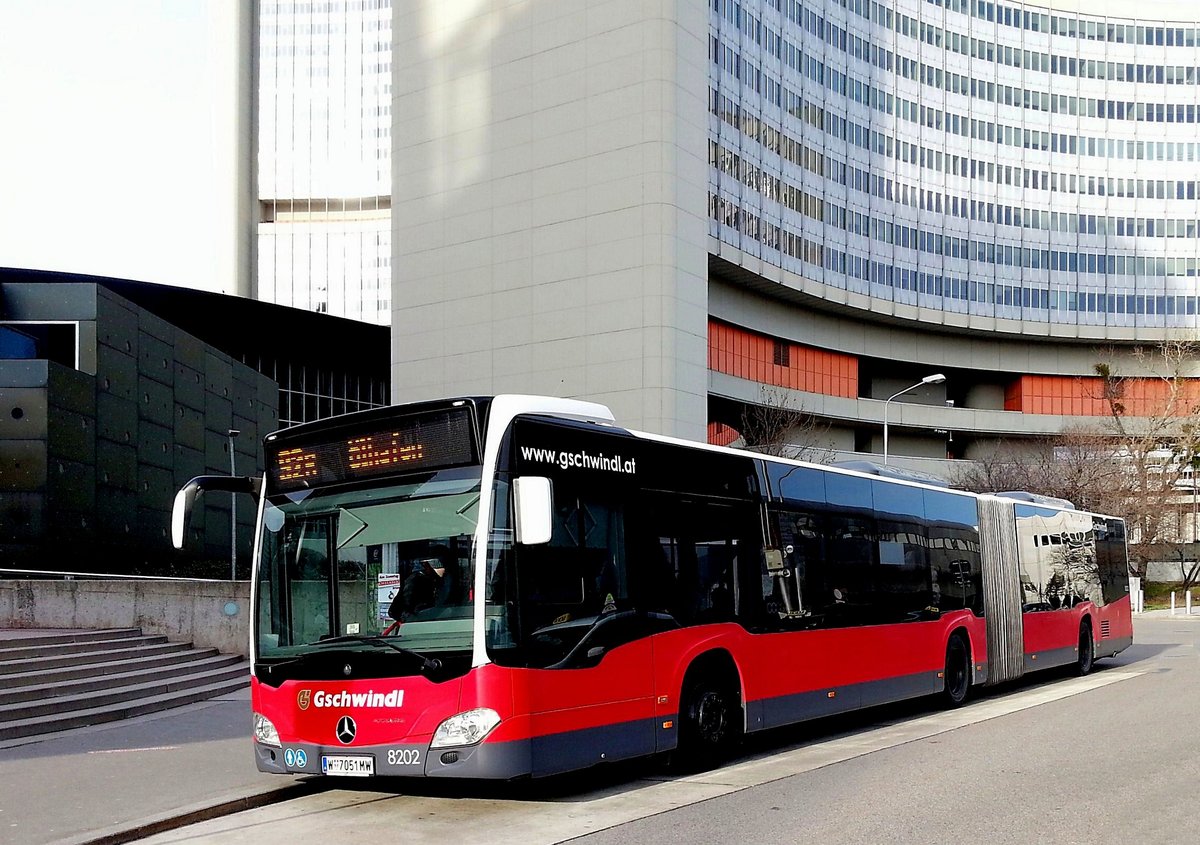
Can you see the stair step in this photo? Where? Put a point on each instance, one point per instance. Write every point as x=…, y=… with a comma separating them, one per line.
x=46, y=690
x=49, y=650
x=52, y=723
x=86, y=701
x=90, y=670
x=55, y=680
x=37, y=664
x=49, y=637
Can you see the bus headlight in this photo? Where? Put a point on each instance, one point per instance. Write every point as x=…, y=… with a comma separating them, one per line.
x=264, y=731
x=465, y=728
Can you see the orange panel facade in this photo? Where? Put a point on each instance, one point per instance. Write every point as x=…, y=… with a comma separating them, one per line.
x=1084, y=397
x=745, y=354
x=720, y=434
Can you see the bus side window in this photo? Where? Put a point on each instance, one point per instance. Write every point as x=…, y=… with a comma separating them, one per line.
x=706, y=548
x=786, y=566
x=847, y=590
x=578, y=576
x=903, y=584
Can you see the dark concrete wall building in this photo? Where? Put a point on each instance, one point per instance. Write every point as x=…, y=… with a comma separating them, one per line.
x=114, y=393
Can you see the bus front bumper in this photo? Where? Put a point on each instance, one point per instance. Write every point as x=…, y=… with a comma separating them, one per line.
x=485, y=760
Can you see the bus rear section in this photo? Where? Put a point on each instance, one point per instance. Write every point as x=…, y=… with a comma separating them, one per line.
x=1074, y=586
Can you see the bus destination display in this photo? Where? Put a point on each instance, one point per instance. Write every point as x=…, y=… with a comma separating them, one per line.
x=434, y=441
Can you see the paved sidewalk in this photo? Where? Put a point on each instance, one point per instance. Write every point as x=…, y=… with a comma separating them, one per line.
x=117, y=782
x=110, y=782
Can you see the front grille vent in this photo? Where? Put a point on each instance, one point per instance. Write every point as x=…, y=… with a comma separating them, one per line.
x=1105, y=629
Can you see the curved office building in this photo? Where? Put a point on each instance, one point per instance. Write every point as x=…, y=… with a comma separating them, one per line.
x=1001, y=192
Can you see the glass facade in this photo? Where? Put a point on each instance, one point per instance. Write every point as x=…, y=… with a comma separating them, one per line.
x=324, y=156
x=994, y=159
x=312, y=391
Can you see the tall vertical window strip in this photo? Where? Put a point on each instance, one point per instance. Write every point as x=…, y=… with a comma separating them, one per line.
x=1036, y=167
x=324, y=158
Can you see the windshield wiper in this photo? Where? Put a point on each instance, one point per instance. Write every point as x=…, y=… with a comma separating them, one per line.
x=428, y=664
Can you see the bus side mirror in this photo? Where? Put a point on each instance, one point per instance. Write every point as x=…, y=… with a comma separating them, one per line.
x=185, y=499
x=181, y=511
x=533, y=503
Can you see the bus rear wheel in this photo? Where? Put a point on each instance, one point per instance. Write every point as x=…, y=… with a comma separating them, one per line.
x=958, y=672
x=710, y=722
x=1087, y=649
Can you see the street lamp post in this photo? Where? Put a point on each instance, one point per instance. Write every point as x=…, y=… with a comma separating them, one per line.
x=1195, y=469
x=233, y=432
x=936, y=378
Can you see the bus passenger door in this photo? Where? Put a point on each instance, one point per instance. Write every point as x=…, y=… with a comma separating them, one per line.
x=590, y=697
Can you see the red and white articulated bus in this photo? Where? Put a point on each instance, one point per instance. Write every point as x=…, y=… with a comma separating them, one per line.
x=517, y=586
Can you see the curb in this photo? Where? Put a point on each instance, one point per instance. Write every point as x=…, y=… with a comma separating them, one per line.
x=174, y=819
x=1165, y=613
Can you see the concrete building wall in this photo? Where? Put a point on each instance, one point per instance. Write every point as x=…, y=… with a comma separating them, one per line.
x=991, y=356
x=208, y=614
x=93, y=457
x=549, y=204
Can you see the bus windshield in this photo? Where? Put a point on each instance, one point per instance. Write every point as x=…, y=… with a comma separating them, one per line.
x=347, y=568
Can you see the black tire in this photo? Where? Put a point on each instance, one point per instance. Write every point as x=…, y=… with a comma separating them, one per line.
x=958, y=672
x=710, y=722
x=1087, y=649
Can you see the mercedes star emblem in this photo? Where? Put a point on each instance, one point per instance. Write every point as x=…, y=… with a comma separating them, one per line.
x=347, y=669
x=345, y=730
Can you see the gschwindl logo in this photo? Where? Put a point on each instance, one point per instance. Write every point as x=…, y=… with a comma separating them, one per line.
x=370, y=698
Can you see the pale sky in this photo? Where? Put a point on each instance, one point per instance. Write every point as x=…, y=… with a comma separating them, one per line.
x=117, y=152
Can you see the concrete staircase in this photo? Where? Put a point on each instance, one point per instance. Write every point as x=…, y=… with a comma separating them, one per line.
x=55, y=680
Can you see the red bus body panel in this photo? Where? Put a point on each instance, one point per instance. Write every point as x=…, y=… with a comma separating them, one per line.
x=554, y=720
x=1052, y=636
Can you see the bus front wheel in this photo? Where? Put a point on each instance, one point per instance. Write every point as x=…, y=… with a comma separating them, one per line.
x=710, y=722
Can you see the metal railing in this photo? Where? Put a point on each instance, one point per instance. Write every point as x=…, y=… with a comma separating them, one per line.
x=70, y=576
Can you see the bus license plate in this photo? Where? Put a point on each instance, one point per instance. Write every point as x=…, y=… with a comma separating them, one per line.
x=348, y=766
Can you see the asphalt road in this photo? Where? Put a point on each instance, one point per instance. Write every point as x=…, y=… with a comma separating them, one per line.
x=1111, y=758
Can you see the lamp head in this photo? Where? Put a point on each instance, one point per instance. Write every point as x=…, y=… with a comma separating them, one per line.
x=936, y=378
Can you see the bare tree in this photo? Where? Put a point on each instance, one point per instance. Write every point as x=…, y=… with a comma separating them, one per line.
x=1157, y=442
x=1181, y=556
x=1005, y=467
x=779, y=426
x=1076, y=465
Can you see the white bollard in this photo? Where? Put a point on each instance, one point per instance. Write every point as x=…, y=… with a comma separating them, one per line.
x=1141, y=601
x=1188, y=602
x=1172, y=602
